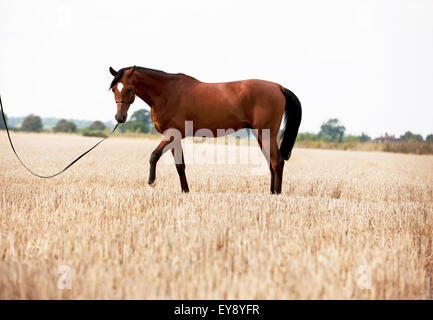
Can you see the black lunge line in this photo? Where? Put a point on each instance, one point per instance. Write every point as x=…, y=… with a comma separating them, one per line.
x=67, y=167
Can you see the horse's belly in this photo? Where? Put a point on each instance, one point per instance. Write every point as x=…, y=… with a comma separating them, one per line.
x=218, y=120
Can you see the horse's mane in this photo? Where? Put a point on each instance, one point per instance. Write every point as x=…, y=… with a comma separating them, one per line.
x=120, y=73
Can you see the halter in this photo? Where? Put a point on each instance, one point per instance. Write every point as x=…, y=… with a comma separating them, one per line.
x=132, y=93
x=123, y=101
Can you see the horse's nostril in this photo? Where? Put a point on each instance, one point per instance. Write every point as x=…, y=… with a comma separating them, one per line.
x=120, y=119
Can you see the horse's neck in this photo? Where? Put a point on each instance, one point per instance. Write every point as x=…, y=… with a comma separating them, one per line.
x=150, y=84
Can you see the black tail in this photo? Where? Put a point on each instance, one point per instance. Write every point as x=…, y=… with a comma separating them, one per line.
x=292, y=120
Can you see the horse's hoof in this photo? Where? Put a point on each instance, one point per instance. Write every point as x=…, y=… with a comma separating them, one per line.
x=152, y=183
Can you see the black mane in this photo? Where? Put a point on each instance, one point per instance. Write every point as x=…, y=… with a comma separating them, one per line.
x=120, y=73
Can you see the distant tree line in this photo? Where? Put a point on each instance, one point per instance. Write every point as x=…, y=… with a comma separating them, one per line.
x=140, y=122
x=409, y=136
x=333, y=131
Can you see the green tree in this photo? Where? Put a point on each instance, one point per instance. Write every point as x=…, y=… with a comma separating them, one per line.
x=32, y=123
x=140, y=122
x=142, y=115
x=306, y=136
x=97, y=125
x=429, y=138
x=65, y=126
x=409, y=136
x=332, y=130
x=136, y=126
x=364, y=138
x=2, y=124
x=92, y=133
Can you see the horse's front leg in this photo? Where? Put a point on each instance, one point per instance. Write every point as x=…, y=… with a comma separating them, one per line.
x=180, y=164
x=162, y=148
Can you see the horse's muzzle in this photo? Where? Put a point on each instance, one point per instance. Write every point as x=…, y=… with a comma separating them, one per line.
x=120, y=119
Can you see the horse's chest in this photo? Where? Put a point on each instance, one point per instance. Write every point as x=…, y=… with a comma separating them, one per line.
x=156, y=121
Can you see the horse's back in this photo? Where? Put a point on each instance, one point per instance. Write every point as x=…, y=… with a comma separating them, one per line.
x=264, y=105
x=245, y=103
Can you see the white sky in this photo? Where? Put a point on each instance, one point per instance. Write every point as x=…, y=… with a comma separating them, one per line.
x=367, y=63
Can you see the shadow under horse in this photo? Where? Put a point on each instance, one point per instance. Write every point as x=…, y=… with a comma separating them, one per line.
x=178, y=99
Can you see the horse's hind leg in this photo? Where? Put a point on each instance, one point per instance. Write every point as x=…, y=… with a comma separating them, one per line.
x=258, y=135
x=277, y=163
x=272, y=179
x=180, y=164
x=154, y=157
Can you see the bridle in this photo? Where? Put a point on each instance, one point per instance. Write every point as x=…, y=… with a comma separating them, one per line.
x=132, y=94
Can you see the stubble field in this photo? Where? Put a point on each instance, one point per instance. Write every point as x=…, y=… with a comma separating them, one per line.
x=349, y=225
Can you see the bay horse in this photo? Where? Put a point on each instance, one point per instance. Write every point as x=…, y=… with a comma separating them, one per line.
x=176, y=99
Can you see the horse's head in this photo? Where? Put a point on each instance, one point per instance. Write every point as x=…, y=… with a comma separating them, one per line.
x=123, y=90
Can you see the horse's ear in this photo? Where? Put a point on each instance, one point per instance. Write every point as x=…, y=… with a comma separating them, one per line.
x=113, y=72
x=133, y=69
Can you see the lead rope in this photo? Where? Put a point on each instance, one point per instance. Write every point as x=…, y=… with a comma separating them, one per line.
x=67, y=167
